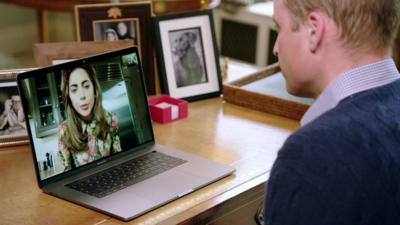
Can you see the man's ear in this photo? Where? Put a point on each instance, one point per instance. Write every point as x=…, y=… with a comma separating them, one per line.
x=316, y=30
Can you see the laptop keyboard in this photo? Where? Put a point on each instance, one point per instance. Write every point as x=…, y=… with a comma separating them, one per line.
x=121, y=176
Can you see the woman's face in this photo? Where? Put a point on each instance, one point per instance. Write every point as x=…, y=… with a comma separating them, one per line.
x=122, y=28
x=81, y=93
x=111, y=36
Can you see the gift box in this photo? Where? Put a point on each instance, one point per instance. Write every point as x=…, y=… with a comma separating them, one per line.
x=164, y=109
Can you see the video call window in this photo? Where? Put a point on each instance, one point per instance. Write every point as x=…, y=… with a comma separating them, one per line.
x=75, y=118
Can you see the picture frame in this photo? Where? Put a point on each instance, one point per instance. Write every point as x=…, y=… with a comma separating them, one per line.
x=132, y=20
x=265, y=90
x=46, y=54
x=187, y=55
x=12, y=123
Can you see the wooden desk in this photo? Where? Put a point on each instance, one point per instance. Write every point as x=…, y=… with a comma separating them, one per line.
x=220, y=131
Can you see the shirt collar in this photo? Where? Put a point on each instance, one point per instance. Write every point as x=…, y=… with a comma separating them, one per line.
x=351, y=82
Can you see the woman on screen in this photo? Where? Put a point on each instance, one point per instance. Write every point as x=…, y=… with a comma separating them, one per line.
x=89, y=132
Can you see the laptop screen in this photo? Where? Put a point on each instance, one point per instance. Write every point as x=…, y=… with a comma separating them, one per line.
x=85, y=110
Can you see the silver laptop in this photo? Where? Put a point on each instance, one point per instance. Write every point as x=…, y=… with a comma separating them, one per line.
x=112, y=166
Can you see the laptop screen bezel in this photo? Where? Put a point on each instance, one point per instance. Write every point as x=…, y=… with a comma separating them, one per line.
x=73, y=63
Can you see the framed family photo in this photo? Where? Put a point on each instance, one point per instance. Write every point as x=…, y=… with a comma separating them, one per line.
x=120, y=21
x=12, y=122
x=187, y=55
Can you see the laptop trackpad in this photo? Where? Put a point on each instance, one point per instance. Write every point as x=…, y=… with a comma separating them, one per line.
x=170, y=184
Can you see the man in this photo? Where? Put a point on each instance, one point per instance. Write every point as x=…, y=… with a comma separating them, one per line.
x=343, y=165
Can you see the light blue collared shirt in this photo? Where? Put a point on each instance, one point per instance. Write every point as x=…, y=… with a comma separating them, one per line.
x=351, y=82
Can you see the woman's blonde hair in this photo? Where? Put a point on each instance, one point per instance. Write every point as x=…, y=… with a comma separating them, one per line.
x=370, y=24
x=76, y=140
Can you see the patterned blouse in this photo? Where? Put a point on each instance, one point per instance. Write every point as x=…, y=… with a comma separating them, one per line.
x=96, y=149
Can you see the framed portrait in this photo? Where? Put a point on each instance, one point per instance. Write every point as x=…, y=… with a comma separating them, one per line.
x=120, y=21
x=46, y=54
x=187, y=55
x=12, y=122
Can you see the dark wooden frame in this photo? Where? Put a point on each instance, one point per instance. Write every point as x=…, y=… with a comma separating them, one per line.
x=211, y=54
x=10, y=76
x=86, y=15
x=234, y=93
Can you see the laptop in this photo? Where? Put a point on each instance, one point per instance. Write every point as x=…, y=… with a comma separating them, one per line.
x=119, y=169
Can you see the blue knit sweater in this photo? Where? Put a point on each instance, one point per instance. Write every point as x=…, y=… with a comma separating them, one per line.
x=343, y=168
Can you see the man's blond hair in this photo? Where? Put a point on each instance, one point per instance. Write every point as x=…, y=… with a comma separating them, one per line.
x=370, y=24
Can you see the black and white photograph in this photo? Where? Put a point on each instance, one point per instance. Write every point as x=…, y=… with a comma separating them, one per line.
x=117, y=30
x=188, y=57
x=12, y=121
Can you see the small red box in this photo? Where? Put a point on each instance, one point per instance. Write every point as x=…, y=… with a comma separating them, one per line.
x=164, y=109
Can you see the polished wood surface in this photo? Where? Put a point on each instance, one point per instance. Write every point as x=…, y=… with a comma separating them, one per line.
x=223, y=132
